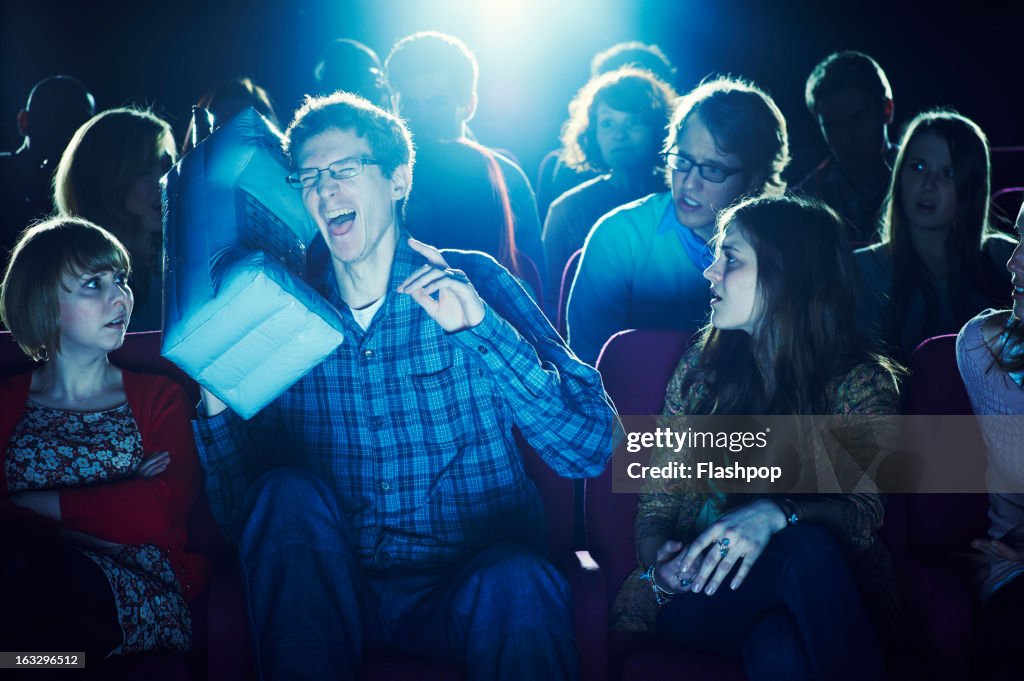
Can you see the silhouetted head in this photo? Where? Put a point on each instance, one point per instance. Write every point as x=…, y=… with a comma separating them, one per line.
x=56, y=107
x=351, y=66
x=432, y=79
x=636, y=54
x=849, y=96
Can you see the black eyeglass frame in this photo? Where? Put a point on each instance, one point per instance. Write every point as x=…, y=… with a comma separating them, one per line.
x=703, y=169
x=295, y=180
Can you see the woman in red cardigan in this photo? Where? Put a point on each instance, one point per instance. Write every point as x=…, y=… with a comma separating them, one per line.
x=99, y=468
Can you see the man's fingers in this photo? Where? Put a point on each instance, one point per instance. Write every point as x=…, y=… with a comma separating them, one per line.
x=421, y=280
x=412, y=277
x=426, y=302
x=432, y=255
x=448, y=281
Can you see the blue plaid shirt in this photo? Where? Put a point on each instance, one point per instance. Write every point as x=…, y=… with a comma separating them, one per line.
x=413, y=426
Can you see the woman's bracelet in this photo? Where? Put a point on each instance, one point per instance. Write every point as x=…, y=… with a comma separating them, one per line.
x=789, y=509
x=662, y=596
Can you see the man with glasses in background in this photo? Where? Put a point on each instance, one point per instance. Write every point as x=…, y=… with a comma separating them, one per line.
x=396, y=513
x=643, y=263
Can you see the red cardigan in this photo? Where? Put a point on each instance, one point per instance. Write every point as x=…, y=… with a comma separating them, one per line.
x=133, y=511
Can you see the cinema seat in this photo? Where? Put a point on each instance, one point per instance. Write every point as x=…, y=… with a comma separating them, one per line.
x=939, y=601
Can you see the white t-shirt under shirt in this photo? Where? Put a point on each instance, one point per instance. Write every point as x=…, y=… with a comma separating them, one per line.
x=365, y=315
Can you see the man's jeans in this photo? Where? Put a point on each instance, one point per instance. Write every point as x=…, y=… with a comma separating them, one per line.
x=313, y=611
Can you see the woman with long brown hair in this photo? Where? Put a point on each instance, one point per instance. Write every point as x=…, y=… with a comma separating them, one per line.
x=775, y=580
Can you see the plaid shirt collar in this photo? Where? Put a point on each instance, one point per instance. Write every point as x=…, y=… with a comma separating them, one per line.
x=403, y=264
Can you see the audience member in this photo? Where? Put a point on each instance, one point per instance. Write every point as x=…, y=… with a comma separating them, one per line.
x=555, y=176
x=782, y=339
x=850, y=98
x=642, y=263
x=990, y=352
x=110, y=175
x=99, y=467
x=634, y=54
x=55, y=108
x=936, y=265
x=466, y=196
x=226, y=100
x=351, y=66
x=407, y=519
x=616, y=128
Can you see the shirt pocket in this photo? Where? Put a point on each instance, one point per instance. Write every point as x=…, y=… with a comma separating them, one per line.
x=444, y=404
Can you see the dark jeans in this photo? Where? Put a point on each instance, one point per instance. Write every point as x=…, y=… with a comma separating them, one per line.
x=797, y=615
x=313, y=611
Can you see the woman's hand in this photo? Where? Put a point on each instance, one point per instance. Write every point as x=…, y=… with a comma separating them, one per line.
x=44, y=502
x=669, y=573
x=994, y=548
x=153, y=465
x=1004, y=547
x=740, y=535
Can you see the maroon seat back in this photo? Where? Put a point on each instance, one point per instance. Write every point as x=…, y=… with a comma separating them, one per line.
x=568, y=274
x=635, y=365
x=557, y=494
x=941, y=522
x=1006, y=203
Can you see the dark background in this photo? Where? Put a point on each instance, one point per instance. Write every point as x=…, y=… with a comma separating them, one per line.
x=533, y=54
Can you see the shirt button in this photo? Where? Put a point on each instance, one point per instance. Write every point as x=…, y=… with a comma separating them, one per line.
x=368, y=354
x=385, y=486
x=482, y=349
x=377, y=422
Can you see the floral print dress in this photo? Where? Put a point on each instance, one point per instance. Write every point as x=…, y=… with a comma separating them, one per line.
x=52, y=449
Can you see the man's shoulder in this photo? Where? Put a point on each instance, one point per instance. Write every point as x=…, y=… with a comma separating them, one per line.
x=473, y=263
x=640, y=217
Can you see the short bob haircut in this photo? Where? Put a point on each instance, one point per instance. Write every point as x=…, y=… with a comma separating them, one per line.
x=102, y=162
x=744, y=120
x=844, y=71
x=388, y=137
x=429, y=52
x=45, y=252
x=629, y=90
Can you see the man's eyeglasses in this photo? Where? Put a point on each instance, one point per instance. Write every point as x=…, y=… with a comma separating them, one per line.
x=339, y=170
x=712, y=173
